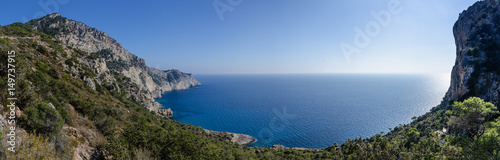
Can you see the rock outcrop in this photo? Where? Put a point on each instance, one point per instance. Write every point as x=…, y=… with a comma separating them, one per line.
x=165, y=112
x=241, y=139
x=477, y=66
x=278, y=147
x=104, y=56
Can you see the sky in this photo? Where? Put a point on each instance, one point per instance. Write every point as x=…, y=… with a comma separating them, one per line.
x=270, y=36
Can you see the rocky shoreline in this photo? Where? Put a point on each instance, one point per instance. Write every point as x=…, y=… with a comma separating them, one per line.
x=280, y=147
x=164, y=112
x=241, y=139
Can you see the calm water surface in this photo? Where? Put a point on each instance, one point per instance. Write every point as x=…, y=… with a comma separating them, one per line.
x=306, y=110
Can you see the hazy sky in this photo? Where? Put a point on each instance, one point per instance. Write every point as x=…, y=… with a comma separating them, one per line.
x=270, y=36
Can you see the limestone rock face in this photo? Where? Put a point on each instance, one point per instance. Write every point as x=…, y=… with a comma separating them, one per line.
x=477, y=66
x=109, y=58
x=171, y=80
x=165, y=112
x=90, y=83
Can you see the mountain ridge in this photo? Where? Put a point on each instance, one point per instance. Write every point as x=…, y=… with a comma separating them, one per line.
x=112, y=57
x=80, y=95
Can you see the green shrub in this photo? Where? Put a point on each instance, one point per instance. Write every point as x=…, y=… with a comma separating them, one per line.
x=72, y=61
x=43, y=66
x=90, y=74
x=118, y=147
x=473, y=52
x=93, y=56
x=4, y=41
x=46, y=38
x=60, y=109
x=80, y=52
x=53, y=73
x=105, y=124
x=42, y=50
x=85, y=107
x=100, y=89
x=60, y=90
x=43, y=119
x=59, y=49
x=38, y=78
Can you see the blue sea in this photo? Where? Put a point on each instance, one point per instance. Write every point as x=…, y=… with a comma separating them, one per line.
x=306, y=110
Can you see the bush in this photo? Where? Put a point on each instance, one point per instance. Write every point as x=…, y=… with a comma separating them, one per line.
x=53, y=73
x=38, y=77
x=60, y=109
x=90, y=74
x=474, y=52
x=43, y=66
x=80, y=52
x=72, y=61
x=470, y=116
x=43, y=119
x=93, y=56
x=4, y=41
x=42, y=50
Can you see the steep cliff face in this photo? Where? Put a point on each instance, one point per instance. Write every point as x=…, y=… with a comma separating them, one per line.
x=107, y=59
x=477, y=66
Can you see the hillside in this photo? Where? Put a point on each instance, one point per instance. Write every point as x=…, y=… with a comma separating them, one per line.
x=107, y=56
x=80, y=95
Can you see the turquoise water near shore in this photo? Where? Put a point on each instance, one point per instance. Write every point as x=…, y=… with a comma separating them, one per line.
x=306, y=110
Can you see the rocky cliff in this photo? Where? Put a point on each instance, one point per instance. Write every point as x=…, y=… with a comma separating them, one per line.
x=477, y=66
x=75, y=93
x=108, y=60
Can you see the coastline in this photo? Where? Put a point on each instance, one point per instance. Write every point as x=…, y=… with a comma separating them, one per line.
x=241, y=139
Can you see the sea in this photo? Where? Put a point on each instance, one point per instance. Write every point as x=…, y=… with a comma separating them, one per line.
x=306, y=110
